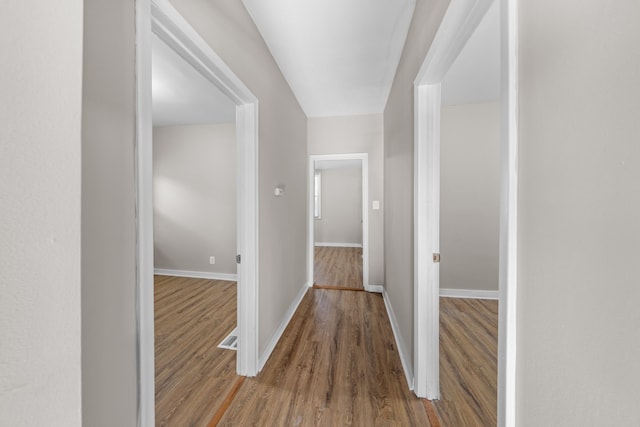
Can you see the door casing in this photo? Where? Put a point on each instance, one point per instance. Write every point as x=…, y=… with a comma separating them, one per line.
x=162, y=19
x=364, y=158
x=459, y=22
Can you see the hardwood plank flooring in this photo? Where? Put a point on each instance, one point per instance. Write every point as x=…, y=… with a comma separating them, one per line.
x=335, y=365
x=338, y=267
x=468, y=362
x=193, y=376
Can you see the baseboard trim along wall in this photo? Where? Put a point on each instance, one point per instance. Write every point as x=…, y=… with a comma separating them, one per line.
x=278, y=334
x=339, y=245
x=469, y=293
x=402, y=348
x=376, y=288
x=196, y=274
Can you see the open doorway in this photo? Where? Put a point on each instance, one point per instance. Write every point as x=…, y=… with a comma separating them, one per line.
x=460, y=22
x=159, y=18
x=194, y=239
x=338, y=223
x=470, y=228
x=337, y=192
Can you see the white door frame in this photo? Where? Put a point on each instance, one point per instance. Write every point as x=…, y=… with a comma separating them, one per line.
x=161, y=18
x=364, y=158
x=461, y=19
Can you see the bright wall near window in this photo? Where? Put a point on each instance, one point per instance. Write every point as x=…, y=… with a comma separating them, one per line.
x=194, y=192
x=341, y=201
x=470, y=196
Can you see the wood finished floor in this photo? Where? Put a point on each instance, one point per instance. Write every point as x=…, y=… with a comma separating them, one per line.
x=193, y=376
x=338, y=267
x=468, y=362
x=336, y=365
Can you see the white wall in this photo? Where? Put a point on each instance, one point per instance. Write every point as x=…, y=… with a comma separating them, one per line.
x=194, y=197
x=358, y=134
x=579, y=210
x=229, y=30
x=109, y=373
x=40, y=89
x=398, y=169
x=341, y=205
x=470, y=196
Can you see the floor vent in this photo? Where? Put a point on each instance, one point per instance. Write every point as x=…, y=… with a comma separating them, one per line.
x=231, y=341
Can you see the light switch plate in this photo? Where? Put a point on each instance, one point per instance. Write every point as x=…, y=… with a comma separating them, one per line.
x=376, y=205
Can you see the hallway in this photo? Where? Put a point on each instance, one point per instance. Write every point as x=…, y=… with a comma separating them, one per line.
x=336, y=364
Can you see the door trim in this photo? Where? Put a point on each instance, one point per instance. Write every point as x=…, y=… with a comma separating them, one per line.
x=161, y=18
x=459, y=22
x=364, y=158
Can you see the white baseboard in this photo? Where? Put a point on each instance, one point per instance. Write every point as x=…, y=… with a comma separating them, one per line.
x=196, y=274
x=402, y=348
x=339, y=245
x=375, y=288
x=469, y=293
x=278, y=334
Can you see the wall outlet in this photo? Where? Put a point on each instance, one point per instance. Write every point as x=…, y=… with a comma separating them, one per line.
x=212, y=260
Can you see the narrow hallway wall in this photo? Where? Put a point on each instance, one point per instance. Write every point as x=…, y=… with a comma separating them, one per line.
x=398, y=169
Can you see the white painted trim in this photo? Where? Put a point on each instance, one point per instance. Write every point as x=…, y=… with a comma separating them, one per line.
x=161, y=18
x=426, y=308
x=364, y=157
x=402, y=347
x=196, y=274
x=144, y=220
x=338, y=245
x=283, y=325
x=376, y=288
x=458, y=24
x=460, y=21
x=469, y=293
x=174, y=30
x=508, y=275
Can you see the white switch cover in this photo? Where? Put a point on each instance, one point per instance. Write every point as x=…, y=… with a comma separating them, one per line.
x=212, y=260
x=376, y=205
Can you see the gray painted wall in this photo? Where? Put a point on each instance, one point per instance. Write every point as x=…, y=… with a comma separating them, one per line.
x=194, y=197
x=109, y=374
x=40, y=158
x=398, y=168
x=341, y=204
x=579, y=214
x=470, y=196
x=358, y=134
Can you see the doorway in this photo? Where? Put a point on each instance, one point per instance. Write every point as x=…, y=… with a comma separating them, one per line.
x=469, y=228
x=159, y=18
x=338, y=253
x=460, y=21
x=195, y=240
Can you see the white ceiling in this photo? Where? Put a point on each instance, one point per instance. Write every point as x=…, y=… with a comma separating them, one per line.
x=474, y=77
x=338, y=56
x=181, y=95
